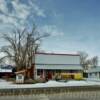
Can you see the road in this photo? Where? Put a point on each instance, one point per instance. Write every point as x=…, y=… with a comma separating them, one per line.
x=61, y=96
x=77, y=95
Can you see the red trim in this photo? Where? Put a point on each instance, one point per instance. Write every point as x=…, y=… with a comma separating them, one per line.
x=57, y=54
x=59, y=64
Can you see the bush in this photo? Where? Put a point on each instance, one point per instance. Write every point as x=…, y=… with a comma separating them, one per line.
x=11, y=79
x=31, y=81
x=40, y=80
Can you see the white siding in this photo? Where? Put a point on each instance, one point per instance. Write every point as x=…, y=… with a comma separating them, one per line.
x=94, y=75
x=56, y=59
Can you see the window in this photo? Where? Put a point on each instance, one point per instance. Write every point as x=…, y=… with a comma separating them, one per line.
x=96, y=74
x=39, y=71
x=90, y=74
x=20, y=77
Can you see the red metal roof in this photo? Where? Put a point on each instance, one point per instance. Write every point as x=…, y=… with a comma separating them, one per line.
x=57, y=54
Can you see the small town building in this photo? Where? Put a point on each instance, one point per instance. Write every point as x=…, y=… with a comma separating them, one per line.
x=94, y=72
x=51, y=66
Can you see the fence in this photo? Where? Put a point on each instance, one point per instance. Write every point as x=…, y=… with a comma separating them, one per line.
x=56, y=93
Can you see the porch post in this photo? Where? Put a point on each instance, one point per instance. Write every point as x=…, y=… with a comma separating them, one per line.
x=35, y=73
x=43, y=74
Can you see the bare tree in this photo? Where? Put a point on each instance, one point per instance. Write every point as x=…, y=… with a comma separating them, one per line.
x=87, y=62
x=94, y=61
x=21, y=46
x=84, y=59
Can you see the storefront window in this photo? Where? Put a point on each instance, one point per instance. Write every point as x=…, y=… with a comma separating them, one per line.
x=39, y=71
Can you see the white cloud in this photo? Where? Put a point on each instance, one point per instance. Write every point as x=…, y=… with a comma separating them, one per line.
x=37, y=10
x=8, y=20
x=52, y=30
x=3, y=6
x=20, y=12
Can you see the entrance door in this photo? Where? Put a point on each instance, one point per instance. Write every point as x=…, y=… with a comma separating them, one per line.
x=48, y=74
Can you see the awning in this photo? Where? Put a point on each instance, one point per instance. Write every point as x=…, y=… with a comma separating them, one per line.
x=59, y=67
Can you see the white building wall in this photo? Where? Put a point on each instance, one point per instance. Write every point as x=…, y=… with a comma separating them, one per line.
x=97, y=75
x=89, y=75
x=94, y=72
x=94, y=75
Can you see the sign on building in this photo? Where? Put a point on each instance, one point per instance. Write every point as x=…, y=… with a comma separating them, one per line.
x=20, y=76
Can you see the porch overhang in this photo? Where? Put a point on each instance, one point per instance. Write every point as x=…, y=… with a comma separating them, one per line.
x=59, y=67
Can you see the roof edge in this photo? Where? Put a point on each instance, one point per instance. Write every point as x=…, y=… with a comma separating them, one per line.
x=57, y=54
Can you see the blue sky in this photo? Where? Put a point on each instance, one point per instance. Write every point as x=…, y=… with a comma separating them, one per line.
x=74, y=25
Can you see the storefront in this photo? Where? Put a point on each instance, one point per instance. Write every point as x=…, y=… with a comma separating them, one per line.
x=52, y=66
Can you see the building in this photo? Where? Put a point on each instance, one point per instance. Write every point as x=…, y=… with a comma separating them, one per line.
x=7, y=71
x=94, y=72
x=49, y=65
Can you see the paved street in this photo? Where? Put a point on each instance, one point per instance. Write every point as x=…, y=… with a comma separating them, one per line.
x=61, y=96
